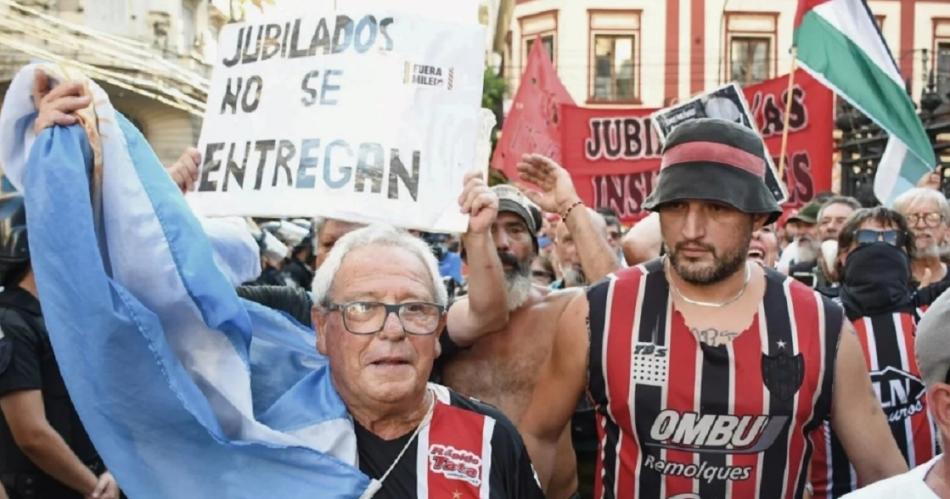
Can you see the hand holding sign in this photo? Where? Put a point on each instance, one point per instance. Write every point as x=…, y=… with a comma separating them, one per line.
x=557, y=189
x=479, y=203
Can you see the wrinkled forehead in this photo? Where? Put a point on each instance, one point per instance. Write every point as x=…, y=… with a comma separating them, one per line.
x=382, y=272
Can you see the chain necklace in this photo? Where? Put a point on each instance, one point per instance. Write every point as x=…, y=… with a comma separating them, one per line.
x=676, y=291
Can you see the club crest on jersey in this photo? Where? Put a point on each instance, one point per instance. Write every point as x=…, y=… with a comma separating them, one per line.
x=715, y=433
x=783, y=372
x=901, y=393
x=455, y=464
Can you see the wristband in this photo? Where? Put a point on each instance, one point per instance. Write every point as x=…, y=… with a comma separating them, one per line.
x=567, y=212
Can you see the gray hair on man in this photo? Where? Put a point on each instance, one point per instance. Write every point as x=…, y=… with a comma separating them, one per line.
x=385, y=236
x=922, y=194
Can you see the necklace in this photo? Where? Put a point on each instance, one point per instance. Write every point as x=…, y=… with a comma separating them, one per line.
x=676, y=291
x=374, y=484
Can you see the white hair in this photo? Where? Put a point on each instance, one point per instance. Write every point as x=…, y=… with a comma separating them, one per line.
x=921, y=194
x=376, y=235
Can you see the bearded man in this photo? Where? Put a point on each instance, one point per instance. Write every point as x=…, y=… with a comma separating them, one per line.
x=710, y=375
x=503, y=367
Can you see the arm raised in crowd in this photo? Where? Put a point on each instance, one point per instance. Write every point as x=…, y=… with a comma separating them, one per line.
x=559, y=196
x=643, y=241
x=857, y=417
x=484, y=309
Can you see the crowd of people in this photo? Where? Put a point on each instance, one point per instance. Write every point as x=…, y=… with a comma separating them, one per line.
x=717, y=348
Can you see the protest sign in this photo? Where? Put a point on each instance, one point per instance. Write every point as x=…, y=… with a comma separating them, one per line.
x=727, y=103
x=613, y=155
x=368, y=115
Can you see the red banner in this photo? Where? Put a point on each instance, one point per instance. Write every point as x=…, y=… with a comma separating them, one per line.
x=532, y=123
x=613, y=154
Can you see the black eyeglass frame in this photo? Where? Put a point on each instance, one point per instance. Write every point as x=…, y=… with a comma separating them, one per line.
x=390, y=308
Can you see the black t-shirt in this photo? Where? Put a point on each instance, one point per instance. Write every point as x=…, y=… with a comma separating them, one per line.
x=512, y=475
x=27, y=363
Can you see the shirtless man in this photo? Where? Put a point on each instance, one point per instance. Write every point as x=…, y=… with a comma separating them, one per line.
x=503, y=367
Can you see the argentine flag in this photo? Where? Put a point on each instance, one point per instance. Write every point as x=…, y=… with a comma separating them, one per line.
x=186, y=390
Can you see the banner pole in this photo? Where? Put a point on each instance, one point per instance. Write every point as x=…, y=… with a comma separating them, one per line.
x=788, y=111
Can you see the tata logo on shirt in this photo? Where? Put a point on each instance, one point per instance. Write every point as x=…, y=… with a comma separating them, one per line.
x=716, y=433
x=901, y=393
x=455, y=464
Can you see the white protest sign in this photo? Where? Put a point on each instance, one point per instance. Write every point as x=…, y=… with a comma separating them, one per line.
x=728, y=103
x=368, y=115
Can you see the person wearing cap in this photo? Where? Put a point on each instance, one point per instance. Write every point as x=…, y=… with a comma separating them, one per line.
x=929, y=479
x=803, y=247
x=710, y=374
x=503, y=367
x=874, y=262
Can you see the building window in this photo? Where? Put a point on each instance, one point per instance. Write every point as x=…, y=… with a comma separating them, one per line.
x=614, y=56
x=750, y=47
x=749, y=59
x=547, y=41
x=543, y=25
x=941, y=54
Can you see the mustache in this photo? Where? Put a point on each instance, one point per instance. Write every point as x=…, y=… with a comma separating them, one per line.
x=510, y=259
x=694, y=244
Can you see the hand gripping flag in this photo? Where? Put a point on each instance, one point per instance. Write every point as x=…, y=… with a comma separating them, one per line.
x=186, y=390
x=838, y=42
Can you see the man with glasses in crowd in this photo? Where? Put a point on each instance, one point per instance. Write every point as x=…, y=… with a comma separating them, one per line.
x=927, y=213
x=379, y=309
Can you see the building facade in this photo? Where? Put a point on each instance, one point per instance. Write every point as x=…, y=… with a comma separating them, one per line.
x=649, y=53
x=152, y=56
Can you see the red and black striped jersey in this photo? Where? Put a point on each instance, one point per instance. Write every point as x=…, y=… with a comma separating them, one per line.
x=887, y=341
x=678, y=418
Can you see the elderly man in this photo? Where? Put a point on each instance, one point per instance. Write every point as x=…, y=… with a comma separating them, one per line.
x=379, y=309
x=928, y=214
x=665, y=348
x=931, y=479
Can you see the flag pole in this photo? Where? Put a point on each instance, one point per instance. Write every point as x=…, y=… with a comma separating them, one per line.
x=788, y=111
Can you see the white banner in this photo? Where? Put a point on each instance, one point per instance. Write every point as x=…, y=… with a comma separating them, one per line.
x=367, y=115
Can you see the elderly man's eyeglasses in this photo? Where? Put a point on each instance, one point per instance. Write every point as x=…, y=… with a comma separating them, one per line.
x=369, y=317
x=930, y=219
x=869, y=236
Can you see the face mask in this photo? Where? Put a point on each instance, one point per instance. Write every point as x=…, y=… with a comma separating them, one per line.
x=876, y=280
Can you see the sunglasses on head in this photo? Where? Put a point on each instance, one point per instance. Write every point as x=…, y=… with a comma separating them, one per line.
x=869, y=236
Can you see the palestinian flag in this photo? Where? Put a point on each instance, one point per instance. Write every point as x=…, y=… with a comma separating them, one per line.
x=839, y=42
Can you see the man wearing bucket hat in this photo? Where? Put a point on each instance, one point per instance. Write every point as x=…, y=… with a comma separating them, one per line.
x=710, y=374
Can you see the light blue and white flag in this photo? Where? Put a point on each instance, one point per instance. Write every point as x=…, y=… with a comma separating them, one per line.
x=185, y=389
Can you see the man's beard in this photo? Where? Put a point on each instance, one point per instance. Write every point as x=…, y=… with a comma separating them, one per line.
x=723, y=266
x=806, y=251
x=517, y=279
x=930, y=251
x=573, y=276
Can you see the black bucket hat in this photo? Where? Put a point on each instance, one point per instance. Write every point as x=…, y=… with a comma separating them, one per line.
x=711, y=159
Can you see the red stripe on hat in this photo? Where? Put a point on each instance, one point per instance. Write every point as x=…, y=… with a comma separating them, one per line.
x=714, y=152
